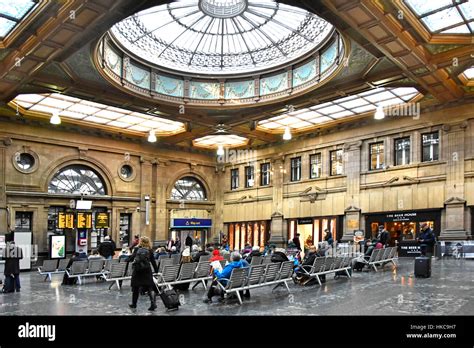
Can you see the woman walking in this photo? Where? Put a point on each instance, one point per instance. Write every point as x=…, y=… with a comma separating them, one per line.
x=142, y=277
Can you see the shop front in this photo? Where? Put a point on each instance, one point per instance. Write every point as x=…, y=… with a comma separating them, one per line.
x=404, y=228
x=311, y=229
x=255, y=233
x=197, y=229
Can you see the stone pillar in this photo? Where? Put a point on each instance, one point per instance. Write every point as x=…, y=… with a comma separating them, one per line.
x=352, y=154
x=4, y=143
x=218, y=218
x=146, y=189
x=277, y=226
x=452, y=143
x=161, y=230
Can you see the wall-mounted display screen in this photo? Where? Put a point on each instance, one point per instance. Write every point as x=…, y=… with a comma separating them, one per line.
x=57, y=247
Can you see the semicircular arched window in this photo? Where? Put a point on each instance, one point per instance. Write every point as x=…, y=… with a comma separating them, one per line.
x=76, y=180
x=189, y=189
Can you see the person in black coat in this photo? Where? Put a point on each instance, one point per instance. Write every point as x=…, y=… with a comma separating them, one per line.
x=106, y=248
x=279, y=256
x=255, y=252
x=297, y=242
x=66, y=279
x=189, y=242
x=142, y=277
x=12, y=255
x=307, y=263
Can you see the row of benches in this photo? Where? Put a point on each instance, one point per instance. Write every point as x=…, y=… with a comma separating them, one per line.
x=382, y=256
x=78, y=269
x=257, y=276
x=327, y=264
x=182, y=273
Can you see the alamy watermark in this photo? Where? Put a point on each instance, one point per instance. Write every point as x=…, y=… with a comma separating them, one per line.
x=237, y=156
x=30, y=250
x=403, y=110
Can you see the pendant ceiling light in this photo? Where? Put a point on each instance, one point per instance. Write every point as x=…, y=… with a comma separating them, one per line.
x=152, y=136
x=55, y=119
x=379, y=114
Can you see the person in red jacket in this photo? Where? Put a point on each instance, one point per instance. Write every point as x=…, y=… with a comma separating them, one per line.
x=216, y=256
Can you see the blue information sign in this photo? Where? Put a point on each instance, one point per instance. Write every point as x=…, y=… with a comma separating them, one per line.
x=191, y=223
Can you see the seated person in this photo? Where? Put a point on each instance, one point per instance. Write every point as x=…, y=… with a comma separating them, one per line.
x=66, y=279
x=159, y=252
x=279, y=255
x=255, y=252
x=124, y=254
x=308, y=261
x=95, y=255
x=247, y=250
x=216, y=256
x=186, y=255
x=222, y=277
x=194, y=251
x=200, y=253
x=357, y=263
x=173, y=251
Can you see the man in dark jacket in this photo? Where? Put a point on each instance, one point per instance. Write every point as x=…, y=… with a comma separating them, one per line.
x=106, y=248
x=297, y=242
x=427, y=240
x=189, y=242
x=384, y=236
x=12, y=256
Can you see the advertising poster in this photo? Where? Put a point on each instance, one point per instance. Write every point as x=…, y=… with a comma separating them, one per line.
x=58, y=247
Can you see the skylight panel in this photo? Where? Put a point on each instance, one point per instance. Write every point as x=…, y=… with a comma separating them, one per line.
x=95, y=119
x=468, y=9
x=422, y=7
x=88, y=110
x=443, y=19
x=330, y=110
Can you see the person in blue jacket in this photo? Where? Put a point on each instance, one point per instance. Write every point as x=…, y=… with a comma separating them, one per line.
x=222, y=276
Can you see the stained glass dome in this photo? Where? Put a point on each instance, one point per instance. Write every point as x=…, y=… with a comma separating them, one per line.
x=221, y=36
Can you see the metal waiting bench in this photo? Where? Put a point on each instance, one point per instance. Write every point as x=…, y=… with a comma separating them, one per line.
x=83, y=269
x=326, y=265
x=382, y=256
x=185, y=273
x=257, y=276
x=51, y=267
x=117, y=274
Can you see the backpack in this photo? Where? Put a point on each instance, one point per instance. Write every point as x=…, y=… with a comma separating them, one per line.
x=142, y=260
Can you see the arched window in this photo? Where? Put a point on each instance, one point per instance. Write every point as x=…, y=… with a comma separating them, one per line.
x=188, y=188
x=77, y=179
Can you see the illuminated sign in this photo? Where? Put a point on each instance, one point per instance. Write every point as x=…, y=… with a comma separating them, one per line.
x=84, y=220
x=102, y=220
x=191, y=223
x=65, y=220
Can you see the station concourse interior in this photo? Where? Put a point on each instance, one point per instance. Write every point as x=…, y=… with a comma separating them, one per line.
x=249, y=121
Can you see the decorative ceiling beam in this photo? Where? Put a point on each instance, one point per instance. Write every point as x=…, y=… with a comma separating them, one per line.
x=385, y=32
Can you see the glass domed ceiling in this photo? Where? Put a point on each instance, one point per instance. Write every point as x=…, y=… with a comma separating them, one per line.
x=221, y=36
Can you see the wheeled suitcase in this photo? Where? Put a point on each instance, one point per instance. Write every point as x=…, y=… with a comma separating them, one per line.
x=170, y=299
x=423, y=267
